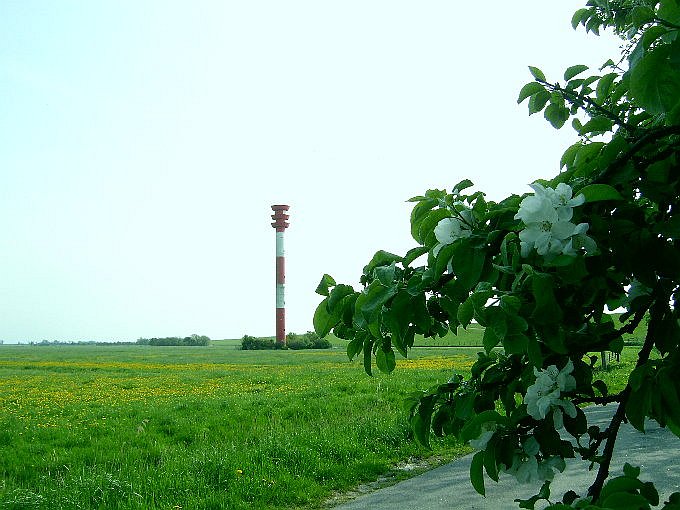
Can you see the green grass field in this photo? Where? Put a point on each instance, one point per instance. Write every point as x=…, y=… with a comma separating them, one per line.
x=139, y=427
x=195, y=427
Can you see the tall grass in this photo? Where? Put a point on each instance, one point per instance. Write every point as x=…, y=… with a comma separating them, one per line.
x=215, y=427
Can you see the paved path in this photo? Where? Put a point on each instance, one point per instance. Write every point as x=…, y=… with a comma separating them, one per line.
x=448, y=487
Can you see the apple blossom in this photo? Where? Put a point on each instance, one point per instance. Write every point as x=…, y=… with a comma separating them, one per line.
x=545, y=393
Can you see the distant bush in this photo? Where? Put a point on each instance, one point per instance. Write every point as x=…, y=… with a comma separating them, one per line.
x=77, y=342
x=252, y=343
x=309, y=340
x=190, y=341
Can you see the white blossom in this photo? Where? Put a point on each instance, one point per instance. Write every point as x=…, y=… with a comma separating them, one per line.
x=549, y=238
x=449, y=230
x=527, y=468
x=547, y=215
x=564, y=203
x=545, y=393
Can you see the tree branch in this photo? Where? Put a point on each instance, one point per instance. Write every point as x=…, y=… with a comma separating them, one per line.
x=650, y=136
x=612, y=431
x=581, y=100
x=630, y=327
x=666, y=23
x=598, y=400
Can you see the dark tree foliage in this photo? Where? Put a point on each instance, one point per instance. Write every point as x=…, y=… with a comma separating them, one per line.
x=540, y=271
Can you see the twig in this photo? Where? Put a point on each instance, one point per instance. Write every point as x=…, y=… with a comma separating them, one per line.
x=575, y=98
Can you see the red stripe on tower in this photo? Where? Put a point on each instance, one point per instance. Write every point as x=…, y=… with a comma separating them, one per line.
x=280, y=224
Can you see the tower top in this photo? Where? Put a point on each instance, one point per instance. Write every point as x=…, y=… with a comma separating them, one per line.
x=280, y=217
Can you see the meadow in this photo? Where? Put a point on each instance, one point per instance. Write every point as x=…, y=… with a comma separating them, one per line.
x=201, y=427
x=143, y=427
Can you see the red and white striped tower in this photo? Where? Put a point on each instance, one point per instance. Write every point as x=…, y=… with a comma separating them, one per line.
x=280, y=224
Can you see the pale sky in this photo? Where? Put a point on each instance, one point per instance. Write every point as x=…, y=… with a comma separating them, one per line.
x=143, y=142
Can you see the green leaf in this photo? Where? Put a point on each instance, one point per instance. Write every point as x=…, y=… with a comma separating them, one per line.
x=578, y=425
x=496, y=328
x=579, y=17
x=428, y=224
x=600, y=192
x=604, y=86
x=372, y=298
x=669, y=10
x=421, y=429
x=574, y=71
x=337, y=295
x=464, y=184
x=413, y=254
x=652, y=34
x=468, y=263
x=641, y=15
x=323, y=320
x=596, y=124
x=418, y=215
x=451, y=308
x=649, y=492
x=538, y=101
x=511, y=304
x=625, y=501
x=368, y=347
x=654, y=82
x=355, y=346
x=537, y=73
x=444, y=258
x=421, y=316
x=593, y=25
x=326, y=282
x=569, y=155
x=466, y=312
x=385, y=274
x=546, y=311
x=624, y=484
x=638, y=407
x=385, y=360
x=630, y=471
x=477, y=472
x=668, y=229
x=534, y=352
x=557, y=115
x=531, y=88
x=381, y=258
x=397, y=318
x=490, y=465
x=586, y=155
x=473, y=427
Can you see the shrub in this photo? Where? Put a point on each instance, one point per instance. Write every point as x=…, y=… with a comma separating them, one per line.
x=193, y=340
x=309, y=340
x=251, y=343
